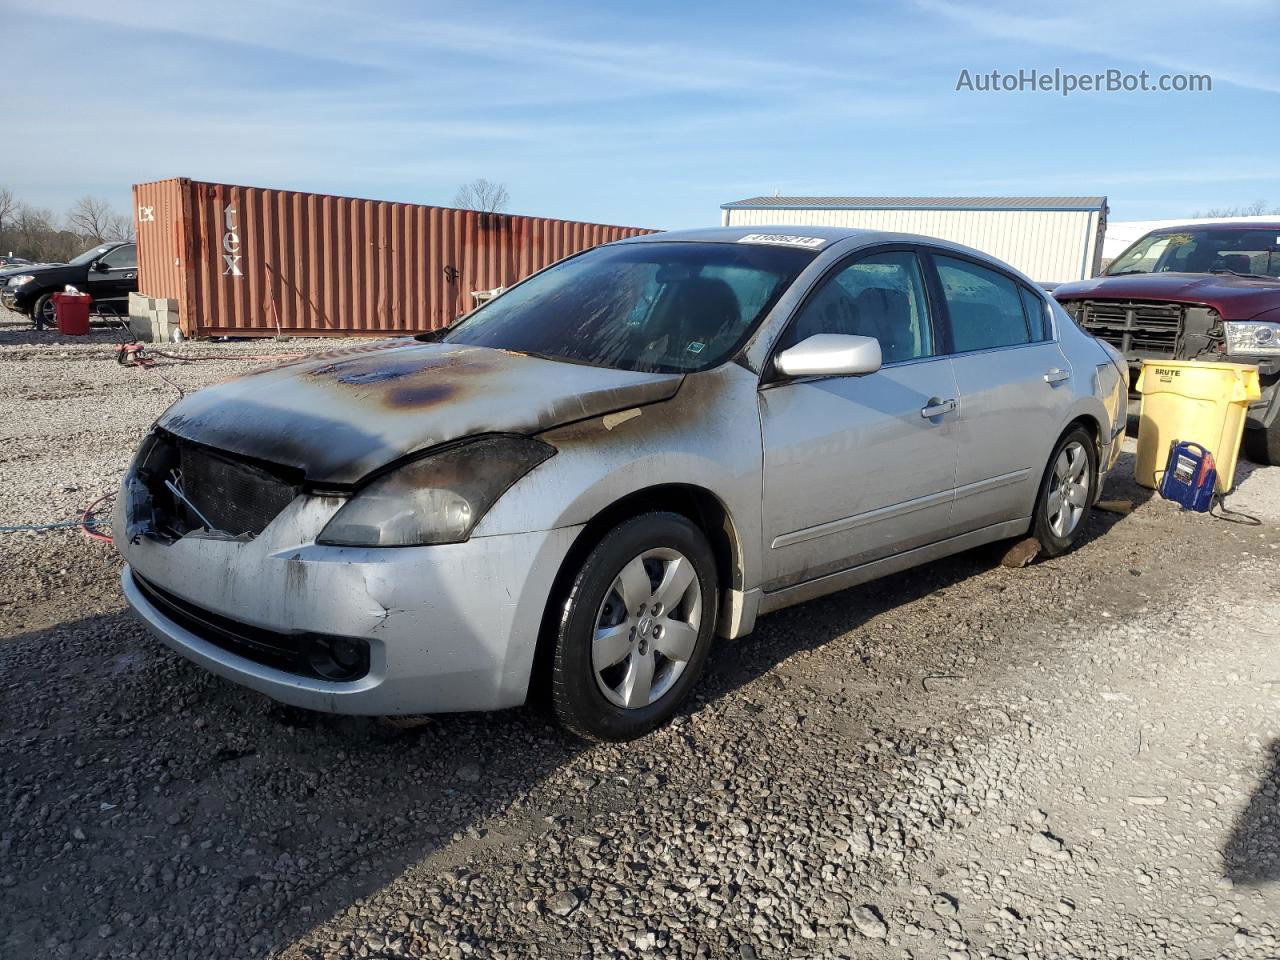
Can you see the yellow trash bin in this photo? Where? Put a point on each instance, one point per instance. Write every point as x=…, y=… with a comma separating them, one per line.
x=1201, y=402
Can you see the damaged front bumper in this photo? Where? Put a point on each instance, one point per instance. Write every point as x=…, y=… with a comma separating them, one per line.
x=443, y=628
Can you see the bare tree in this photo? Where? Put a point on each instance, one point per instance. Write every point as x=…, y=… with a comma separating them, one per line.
x=96, y=222
x=121, y=227
x=1256, y=209
x=8, y=204
x=483, y=195
x=37, y=235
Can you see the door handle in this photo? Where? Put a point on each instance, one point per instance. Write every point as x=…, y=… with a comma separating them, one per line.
x=936, y=408
x=1057, y=376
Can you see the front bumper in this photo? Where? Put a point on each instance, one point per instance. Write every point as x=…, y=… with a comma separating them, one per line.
x=449, y=628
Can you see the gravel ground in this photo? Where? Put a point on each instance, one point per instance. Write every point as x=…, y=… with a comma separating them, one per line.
x=1080, y=758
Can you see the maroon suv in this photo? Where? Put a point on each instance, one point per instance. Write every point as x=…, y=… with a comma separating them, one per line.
x=1202, y=292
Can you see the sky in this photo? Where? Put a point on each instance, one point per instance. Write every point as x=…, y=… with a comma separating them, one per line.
x=646, y=114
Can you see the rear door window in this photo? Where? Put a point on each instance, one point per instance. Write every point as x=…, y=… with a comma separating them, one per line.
x=1037, y=315
x=984, y=306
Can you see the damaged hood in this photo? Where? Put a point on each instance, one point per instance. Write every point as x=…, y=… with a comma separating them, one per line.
x=1235, y=298
x=339, y=416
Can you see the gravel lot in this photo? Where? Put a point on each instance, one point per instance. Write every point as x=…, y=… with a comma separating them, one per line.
x=1076, y=759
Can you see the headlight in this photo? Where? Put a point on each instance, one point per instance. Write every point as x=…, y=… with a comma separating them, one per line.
x=20, y=279
x=1252, y=338
x=437, y=499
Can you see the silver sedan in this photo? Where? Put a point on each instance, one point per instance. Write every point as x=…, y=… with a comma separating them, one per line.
x=582, y=484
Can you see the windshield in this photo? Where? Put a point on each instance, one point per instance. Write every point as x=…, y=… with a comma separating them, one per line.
x=656, y=307
x=1246, y=250
x=93, y=253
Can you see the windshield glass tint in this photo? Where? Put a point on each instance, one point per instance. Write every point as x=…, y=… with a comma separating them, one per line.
x=93, y=253
x=1247, y=250
x=661, y=307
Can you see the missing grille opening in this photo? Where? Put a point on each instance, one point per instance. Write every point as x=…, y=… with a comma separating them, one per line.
x=180, y=488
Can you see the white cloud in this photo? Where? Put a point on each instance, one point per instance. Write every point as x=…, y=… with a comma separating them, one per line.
x=1235, y=44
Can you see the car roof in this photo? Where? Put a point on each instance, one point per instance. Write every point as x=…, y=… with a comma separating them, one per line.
x=734, y=234
x=840, y=240
x=1225, y=225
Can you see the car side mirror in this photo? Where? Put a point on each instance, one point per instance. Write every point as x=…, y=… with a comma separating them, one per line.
x=830, y=355
x=100, y=267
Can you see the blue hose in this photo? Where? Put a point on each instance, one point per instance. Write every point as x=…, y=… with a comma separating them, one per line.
x=41, y=527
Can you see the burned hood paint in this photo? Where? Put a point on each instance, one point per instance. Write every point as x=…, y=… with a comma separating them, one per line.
x=1235, y=298
x=339, y=416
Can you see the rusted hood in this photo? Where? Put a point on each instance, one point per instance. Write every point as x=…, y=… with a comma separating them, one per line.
x=341, y=415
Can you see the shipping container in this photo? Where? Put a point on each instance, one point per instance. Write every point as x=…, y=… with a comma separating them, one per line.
x=1050, y=239
x=247, y=261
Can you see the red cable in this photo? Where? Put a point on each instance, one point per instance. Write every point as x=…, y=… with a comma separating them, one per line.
x=88, y=512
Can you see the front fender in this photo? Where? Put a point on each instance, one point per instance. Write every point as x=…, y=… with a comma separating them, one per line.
x=707, y=436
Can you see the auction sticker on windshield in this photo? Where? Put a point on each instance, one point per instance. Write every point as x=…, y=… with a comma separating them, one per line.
x=783, y=240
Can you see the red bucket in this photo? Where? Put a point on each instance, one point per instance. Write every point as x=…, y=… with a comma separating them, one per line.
x=72, y=313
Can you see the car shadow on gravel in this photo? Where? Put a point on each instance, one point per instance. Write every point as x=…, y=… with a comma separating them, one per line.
x=811, y=625
x=1251, y=856
x=152, y=802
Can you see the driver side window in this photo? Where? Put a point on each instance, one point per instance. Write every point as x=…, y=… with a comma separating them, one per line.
x=126, y=256
x=880, y=296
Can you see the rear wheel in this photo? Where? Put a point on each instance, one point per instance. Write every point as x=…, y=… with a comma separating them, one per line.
x=635, y=629
x=1262, y=446
x=1066, y=493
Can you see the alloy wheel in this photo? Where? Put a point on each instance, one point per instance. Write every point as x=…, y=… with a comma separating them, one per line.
x=1068, y=490
x=647, y=628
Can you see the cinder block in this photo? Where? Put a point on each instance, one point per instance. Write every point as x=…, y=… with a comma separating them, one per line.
x=141, y=327
x=138, y=305
x=153, y=319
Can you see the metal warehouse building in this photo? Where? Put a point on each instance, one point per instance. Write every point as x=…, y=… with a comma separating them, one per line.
x=1050, y=239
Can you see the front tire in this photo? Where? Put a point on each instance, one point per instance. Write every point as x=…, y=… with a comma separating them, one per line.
x=43, y=312
x=1066, y=493
x=1262, y=445
x=635, y=629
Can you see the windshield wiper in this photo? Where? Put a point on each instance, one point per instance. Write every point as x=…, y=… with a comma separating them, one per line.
x=1250, y=276
x=1124, y=273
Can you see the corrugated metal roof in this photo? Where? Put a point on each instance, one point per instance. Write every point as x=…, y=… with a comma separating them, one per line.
x=919, y=203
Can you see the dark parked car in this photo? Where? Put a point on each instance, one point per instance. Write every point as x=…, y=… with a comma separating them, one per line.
x=108, y=272
x=12, y=266
x=1208, y=292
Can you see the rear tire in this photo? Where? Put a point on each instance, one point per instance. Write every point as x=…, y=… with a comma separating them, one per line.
x=635, y=629
x=1066, y=493
x=1262, y=446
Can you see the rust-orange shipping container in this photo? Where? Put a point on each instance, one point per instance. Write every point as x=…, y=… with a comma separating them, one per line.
x=245, y=261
